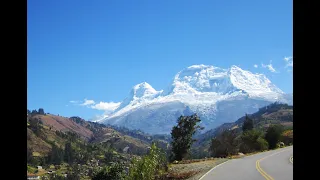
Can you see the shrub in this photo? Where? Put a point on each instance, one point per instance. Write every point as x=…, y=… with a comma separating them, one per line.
x=149, y=166
x=252, y=140
x=273, y=135
x=287, y=137
x=262, y=143
x=114, y=171
x=225, y=144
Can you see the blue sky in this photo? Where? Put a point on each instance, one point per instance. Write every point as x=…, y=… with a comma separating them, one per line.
x=98, y=50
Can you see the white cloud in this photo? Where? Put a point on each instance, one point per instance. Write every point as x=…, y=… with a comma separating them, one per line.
x=103, y=106
x=106, y=106
x=256, y=66
x=269, y=67
x=287, y=58
x=289, y=61
x=87, y=102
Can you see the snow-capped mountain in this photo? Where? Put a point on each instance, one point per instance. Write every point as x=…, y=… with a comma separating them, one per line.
x=217, y=95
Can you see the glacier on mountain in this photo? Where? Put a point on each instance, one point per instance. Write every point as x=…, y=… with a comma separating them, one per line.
x=217, y=95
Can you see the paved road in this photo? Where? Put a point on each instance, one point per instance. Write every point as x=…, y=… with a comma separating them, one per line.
x=271, y=165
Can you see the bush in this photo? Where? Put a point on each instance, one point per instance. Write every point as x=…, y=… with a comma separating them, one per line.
x=225, y=144
x=287, y=137
x=31, y=169
x=114, y=171
x=273, y=135
x=149, y=166
x=56, y=177
x=263, y=144
x=252, y=141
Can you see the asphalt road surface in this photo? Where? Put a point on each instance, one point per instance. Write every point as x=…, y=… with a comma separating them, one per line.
x=271, y=165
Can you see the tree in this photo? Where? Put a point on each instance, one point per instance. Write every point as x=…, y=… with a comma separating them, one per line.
x=41, y=111
x=224, y=144
x=115, y=172
x=247, y=124
x=29, y=155
x=74, y=174
x=252, y=140
x=35, y=126
x=214, y=147
x=108, y=155
x=182, y=135
x=273, y=135
x=56, y=154
x=68, y=153
x=149, y=166
x=34, y=112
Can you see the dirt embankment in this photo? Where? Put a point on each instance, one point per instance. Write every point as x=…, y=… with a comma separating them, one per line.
x=193, y=170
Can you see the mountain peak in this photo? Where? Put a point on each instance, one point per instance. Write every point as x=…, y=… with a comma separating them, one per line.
x=140, y=92
x=199, y=79
x=210, y=79
x=143, y=89
x=142, y=85
x=234, y=67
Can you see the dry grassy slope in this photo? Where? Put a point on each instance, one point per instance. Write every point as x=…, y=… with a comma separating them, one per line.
x=40, y=144
x=278, y=114
x=64, y=124
x=37, y=144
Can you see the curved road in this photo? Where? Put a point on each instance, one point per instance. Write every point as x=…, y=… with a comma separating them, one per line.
x=270, y=165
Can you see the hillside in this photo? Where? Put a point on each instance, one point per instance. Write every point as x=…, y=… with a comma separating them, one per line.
x=90, y=132
x=275, y=113
x=50, y=138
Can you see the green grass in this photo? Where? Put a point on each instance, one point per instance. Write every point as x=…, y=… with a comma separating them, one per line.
x=31, y=169
x=100, y=157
